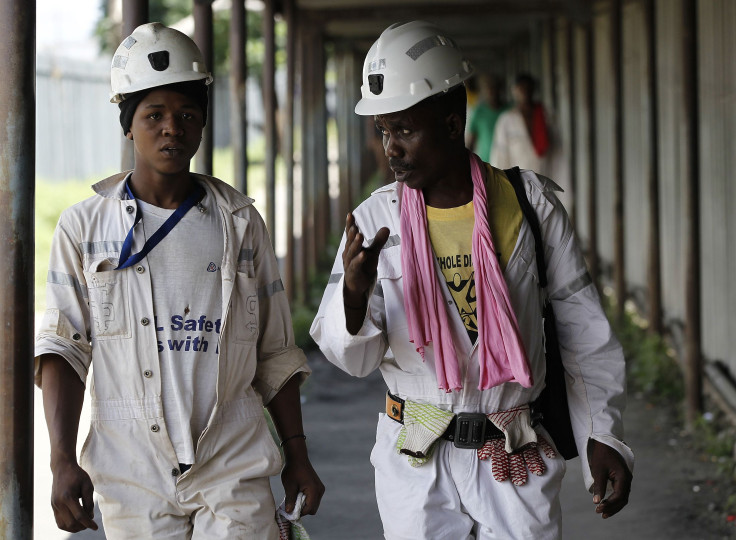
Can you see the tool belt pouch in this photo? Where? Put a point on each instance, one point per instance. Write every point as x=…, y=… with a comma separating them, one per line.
x=423, y=425
x=516, y=426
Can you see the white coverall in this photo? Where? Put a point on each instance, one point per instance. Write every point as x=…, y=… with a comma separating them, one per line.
x=102, y=317
x=454, y=484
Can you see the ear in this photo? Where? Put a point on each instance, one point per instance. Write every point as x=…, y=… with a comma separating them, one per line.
x=455, y=127
x=129, y=135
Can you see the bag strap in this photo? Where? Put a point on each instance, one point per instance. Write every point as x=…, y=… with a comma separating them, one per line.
x=514, y=176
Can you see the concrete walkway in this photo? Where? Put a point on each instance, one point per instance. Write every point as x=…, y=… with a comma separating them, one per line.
x=676, y=495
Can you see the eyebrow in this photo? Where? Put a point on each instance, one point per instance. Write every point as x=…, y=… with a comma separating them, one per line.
x=161, y=105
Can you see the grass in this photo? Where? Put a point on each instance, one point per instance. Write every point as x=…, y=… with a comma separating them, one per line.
x=654, y=373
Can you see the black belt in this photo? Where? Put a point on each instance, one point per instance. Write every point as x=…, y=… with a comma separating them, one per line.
x=466, y=430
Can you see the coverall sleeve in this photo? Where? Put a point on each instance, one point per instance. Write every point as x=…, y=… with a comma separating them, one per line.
x=591, y=354
x=362, y=353
x=279, y=358
x=65, y=328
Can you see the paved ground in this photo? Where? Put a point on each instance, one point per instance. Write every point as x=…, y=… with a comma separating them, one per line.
x=676, y=495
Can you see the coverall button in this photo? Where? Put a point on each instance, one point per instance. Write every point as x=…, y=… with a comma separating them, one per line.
x=148, y=374
x=145, y=321
x=140, y=269
x=129, y=209
x=155, y=428
x=174, y=472
x=76, y=337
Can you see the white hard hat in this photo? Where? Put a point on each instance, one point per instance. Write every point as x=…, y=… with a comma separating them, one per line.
x=155, y=55
x=408, y=63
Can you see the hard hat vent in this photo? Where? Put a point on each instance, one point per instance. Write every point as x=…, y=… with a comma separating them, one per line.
x=375, y=83
x=428, y=44
x=154, y=55
x=408, y=63
x=159, y=60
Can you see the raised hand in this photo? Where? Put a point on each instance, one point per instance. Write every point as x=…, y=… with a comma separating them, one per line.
x=360, y=264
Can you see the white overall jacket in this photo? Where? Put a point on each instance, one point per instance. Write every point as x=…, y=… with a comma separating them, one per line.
x=103, y=318
x=591, y=354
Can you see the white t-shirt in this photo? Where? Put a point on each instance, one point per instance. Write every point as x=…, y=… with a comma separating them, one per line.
x=187, y=303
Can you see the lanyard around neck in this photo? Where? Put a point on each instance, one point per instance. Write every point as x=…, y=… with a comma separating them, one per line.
x=126, y=259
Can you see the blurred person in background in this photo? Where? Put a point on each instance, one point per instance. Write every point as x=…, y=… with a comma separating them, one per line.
x=485, y=115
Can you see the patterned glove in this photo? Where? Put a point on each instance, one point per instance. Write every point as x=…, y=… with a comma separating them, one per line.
x=517, y=427
x=505, y=465
x=290, y=527
x=423, y=425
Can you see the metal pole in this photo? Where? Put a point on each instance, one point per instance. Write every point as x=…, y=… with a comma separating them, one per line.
x=288, y=152
x=135, y=13
x=572, y=100
x=654, y=274
x=693, y=353
x=307, y=239
x=202, y=12
x=593, y=260
x=322, y=195
x=619, y=254
x=309, y=157
x=17, y=183
x=269, y=110
x=552, y=30
x=238, y=78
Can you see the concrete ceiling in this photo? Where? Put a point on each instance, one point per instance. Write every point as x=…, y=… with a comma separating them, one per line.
x=484, y=29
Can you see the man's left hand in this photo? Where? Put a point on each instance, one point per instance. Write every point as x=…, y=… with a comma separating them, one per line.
x=299, y=476
x=607, y=465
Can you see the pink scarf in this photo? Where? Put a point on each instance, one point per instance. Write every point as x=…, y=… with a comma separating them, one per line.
x=501, y=352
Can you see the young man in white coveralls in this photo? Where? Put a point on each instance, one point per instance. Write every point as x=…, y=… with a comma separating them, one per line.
x=435, y=284
x=166, y=284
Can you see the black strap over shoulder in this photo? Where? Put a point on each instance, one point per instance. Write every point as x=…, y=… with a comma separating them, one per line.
x=552, y=402
x=514, y=176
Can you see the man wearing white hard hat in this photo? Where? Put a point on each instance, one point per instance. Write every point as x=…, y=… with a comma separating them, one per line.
x=164, y=284
x=436, y=285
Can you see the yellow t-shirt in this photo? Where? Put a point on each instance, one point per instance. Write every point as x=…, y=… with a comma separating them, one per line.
x=451, y=234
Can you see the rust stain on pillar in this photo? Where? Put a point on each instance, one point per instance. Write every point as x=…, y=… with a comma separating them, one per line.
x=135, y=13
x=203, y=37
x=17, y=179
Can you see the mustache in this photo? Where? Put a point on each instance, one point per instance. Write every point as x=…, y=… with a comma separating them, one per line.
x=395, y=163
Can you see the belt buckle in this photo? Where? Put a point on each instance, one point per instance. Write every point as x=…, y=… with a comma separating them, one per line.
x=470, y=430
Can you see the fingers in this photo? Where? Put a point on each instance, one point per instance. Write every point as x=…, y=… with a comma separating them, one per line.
x=621, y=481
x=518, y=469
x=71, y=516
x=88, y=502
x=600, y=482
x=312, y=499
x=291, y=493
x=546, y=447
x=380, y=240
x=499, y=461
x=534, y=461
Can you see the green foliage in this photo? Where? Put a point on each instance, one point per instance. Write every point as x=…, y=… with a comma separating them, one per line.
x=652, y=368
x=715, y=436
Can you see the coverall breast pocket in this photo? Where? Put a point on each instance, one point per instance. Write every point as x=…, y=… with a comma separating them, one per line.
x=108, y=300
x=244, y=314
x=389, y=285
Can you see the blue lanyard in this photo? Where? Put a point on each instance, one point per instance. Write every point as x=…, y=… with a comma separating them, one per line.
x=126, y=259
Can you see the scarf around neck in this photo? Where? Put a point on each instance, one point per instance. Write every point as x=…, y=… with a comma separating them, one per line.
x=501, y=352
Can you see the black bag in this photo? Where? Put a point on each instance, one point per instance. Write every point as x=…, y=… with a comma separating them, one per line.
x=551, y=404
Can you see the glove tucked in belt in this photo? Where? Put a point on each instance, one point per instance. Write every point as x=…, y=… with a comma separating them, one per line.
x=507, y=437
x=422, y=422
